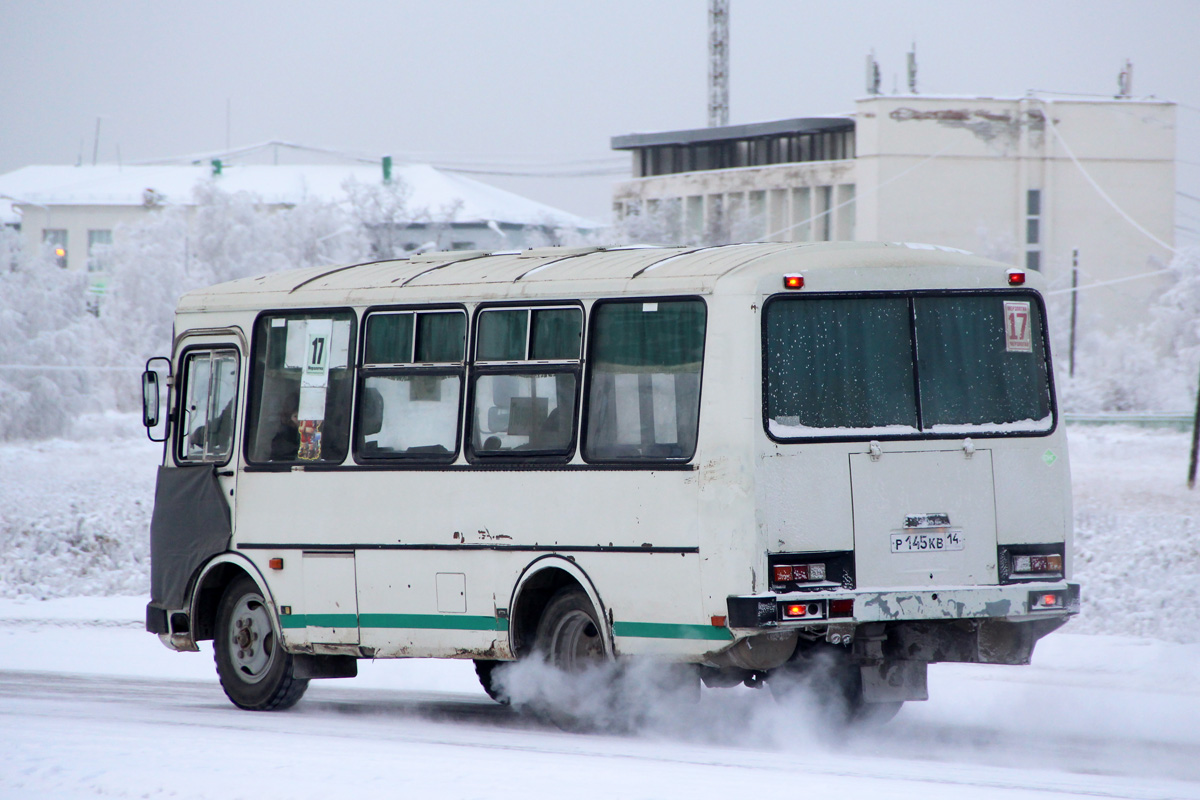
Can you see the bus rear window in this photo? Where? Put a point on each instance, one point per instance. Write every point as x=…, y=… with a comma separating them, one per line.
x=905, y=365
x=982, y=363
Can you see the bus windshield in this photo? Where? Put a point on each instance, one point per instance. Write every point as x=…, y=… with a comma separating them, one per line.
x=906, y=365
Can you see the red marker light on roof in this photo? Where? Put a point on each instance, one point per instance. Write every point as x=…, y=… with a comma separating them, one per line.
x=1016, y=277
x=793, y=281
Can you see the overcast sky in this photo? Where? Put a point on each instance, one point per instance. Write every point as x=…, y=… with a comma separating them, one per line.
x=543, y=82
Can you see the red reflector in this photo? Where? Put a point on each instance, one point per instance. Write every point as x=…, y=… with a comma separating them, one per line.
x=1016, y=277
x=783, y=574
x=841, y=608
x=275, y=563
x=793, y=281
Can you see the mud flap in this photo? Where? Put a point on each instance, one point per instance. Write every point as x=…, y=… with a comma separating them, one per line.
x=190, y=525
x=894, y=681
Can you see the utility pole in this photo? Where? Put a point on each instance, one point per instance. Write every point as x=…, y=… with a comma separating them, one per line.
x=96, y=143
x=718, y=63
x=1195, y=443
x=1074, y=303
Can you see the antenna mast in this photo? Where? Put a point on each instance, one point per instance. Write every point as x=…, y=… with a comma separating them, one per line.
x=718, y=63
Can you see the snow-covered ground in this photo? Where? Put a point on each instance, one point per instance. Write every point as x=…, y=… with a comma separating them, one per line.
x=93, y=706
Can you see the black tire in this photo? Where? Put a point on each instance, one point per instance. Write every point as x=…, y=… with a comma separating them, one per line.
x=484, y=670
x=569, y=640
x=569, y=633
x=828, y=674
x=255, y=670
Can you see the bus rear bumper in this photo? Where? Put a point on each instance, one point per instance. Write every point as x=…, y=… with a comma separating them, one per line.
x=1014, y=603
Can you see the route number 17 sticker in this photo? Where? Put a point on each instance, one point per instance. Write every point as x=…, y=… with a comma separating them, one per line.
x=1018, y=328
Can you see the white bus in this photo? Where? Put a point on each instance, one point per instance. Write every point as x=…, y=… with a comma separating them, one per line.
x=749, y=458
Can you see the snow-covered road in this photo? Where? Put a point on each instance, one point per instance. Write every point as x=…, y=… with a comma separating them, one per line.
x=91, y=706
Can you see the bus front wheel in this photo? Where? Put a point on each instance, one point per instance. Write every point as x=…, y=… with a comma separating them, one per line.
x=255, y=671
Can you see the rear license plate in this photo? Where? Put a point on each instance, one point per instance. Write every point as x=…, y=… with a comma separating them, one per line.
x=927, y=541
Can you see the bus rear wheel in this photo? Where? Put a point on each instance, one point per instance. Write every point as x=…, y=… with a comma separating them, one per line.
x=255, y=671
x=568, y=634
x=485, y=671
x=580, y=690
x=833, y=680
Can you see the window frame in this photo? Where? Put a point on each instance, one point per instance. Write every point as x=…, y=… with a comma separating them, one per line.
x=252, y=377
x=363, y=371
x=475, y=369
x=912, y=295
x=586, y=388
x=179, y=435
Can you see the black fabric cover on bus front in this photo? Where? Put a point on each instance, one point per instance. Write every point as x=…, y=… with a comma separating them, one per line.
x=190, y=525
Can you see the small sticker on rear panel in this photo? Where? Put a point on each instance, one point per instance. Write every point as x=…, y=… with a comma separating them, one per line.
x=1018, y=330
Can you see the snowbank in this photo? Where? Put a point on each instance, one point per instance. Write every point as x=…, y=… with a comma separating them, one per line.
x=74, y=517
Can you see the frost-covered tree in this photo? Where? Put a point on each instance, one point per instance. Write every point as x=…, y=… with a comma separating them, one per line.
x=380, y=212
x=60, y=361
x=1152, y=367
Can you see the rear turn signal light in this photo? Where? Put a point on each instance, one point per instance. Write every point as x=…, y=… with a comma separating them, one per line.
x=793, y=281
x=1016, y=277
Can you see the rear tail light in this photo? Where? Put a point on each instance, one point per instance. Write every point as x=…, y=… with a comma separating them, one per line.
x=809, y=610
x=1039, y=601
x=799, y=573
x=841, y=608
x=1036, y=564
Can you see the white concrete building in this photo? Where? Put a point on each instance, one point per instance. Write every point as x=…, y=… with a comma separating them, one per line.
x=1027, y=181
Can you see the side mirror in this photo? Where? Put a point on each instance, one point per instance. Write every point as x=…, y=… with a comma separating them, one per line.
x=150, y=399
x=153, y=399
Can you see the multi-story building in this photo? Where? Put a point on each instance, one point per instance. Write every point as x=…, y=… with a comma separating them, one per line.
x=1029, y=181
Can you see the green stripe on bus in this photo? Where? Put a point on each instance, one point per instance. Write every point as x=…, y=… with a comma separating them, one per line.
x=452, y=622
x=455, y=622
x=667, y=630
x=425, y=621
x=319, y=621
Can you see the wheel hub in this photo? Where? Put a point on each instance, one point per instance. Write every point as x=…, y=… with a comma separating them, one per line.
x=251, y=641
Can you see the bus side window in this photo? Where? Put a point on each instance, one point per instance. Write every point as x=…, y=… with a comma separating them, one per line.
x=210, y=380
x=301, y=382
x=644, y=380
x=410, y=396
x=526, y=382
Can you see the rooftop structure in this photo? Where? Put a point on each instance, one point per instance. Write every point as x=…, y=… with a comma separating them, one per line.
x=1033, y=182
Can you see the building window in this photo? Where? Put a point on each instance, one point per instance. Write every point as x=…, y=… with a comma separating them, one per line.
x=756, y=151
x=1033, y=232
x=99, y=242
x=54, y=242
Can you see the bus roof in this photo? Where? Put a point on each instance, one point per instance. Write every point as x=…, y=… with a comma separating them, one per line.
x=580, y=272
